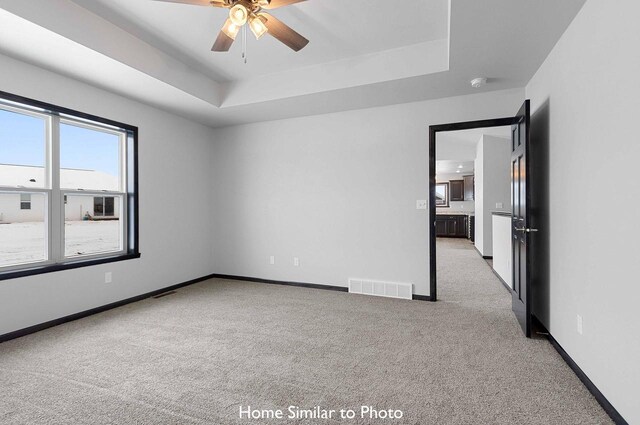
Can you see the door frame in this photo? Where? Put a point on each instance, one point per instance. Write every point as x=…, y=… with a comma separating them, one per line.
x=433, y=131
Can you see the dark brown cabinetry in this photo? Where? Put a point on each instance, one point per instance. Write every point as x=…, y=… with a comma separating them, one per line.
x=469, y=188
x=441, y=226
x=453, y=226
x=456, y=189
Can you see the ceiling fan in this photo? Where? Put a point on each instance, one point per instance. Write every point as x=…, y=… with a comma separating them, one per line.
x=242, y=12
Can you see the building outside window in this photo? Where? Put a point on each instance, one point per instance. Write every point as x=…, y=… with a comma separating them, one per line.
x=25, y=201
x=104, y=206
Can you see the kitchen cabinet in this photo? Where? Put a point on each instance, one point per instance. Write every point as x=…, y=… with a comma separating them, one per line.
x=469, y=188
x=456, y=190
x=441, y=226
x=452, y=225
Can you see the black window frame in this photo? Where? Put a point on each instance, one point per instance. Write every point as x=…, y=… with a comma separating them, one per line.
x=132, y=190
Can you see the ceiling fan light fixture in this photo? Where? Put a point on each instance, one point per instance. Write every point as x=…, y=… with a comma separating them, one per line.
x=250, y=13
x=230, y=29
x=258, y=28
x=239, y=15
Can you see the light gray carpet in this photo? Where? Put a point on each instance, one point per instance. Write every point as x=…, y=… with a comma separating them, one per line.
x=196, y=356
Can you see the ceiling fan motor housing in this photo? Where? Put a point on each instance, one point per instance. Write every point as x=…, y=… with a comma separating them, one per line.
x=251, y=5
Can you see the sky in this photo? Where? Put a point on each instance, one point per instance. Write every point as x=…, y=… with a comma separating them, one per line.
x=22, y=142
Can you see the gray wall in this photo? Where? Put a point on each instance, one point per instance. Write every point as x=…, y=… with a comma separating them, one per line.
x=338, y=191
x=493, y=181
x=175, y=201
x=585, y=103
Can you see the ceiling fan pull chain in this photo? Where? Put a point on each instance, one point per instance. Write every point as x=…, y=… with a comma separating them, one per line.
x=244, y=43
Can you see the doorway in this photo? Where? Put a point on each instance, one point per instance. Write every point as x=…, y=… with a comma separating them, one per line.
x=519, y=220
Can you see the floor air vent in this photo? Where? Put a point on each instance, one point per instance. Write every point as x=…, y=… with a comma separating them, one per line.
x=164, y=294
x=381, y=289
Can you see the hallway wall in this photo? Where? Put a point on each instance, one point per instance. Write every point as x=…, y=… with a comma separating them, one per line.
x=585, y=104
x=492, y=184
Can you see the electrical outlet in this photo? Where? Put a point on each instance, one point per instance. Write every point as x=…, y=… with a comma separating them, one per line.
x=272, y=260
x=421, y=204
x=296, y=261
x=579, y=324
x=499, y=205
x=108, y=277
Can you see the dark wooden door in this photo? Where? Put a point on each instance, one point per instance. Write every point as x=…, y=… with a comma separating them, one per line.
x=469, y=188
x=520, y=218
x=456, y=190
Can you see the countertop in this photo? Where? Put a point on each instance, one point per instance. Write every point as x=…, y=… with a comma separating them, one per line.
x=501, y=213
x=470, y=213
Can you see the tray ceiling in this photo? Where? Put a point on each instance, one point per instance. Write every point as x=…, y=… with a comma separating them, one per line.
x=360, y=55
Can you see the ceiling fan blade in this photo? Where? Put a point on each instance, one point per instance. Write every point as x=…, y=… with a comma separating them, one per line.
x=215, y=3
x=274, y=4
x=284, y=33
x=223, y=43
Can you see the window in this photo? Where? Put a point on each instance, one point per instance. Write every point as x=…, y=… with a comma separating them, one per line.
x=68, y=192
x=25, y=201
x=442, y=194
x=104, y=206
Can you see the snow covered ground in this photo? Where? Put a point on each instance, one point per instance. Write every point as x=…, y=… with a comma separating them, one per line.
x=21, y=243
x=25, y=242
x=90, y=237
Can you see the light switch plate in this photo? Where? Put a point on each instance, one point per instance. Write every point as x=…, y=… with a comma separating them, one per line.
x=108, y=277
x=421, y=204
x=499, y=205
x=272, y=260
x=296, y=261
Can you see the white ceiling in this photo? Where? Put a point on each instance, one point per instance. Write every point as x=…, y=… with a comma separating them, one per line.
x=455, y=148
x=454, y=167
x=359, y=56
x=338, y=29
x=473, y=135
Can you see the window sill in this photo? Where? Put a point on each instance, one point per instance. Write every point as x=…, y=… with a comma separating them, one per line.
x=14, y=274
